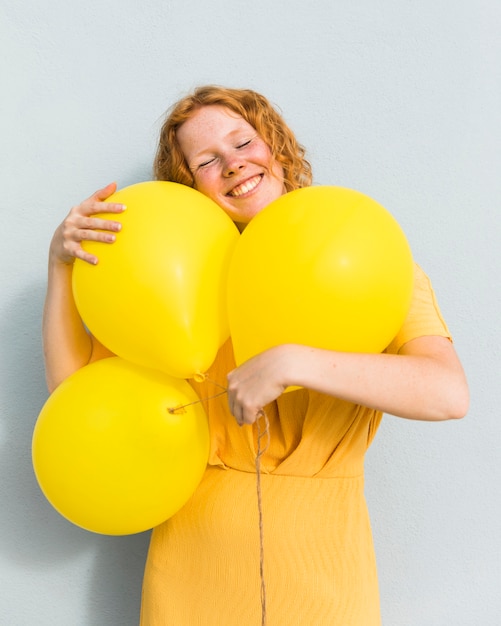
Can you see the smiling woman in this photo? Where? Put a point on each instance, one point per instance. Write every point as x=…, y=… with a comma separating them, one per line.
x=230, y=163
x=237, y=133
x=203, y=564
x=252, y=107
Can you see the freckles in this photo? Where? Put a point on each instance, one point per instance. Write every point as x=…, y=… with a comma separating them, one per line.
x=200, y=183
x=207, y=187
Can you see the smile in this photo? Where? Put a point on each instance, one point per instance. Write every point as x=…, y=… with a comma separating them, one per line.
x=245, y=187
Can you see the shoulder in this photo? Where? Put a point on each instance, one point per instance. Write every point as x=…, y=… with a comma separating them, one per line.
x=424, y=318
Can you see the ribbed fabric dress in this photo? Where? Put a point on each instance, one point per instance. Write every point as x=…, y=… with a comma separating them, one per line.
x=319, y=562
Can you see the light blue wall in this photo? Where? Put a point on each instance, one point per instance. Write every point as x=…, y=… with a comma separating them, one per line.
x=397, y=98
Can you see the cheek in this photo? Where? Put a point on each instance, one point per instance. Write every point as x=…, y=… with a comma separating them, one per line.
x=263, y=155
x=278, y=174
x=204, y=184
x=262, y=152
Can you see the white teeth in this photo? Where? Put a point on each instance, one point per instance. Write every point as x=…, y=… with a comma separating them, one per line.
x=245, y=187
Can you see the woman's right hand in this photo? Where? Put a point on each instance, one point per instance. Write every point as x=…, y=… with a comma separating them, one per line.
x=81, y=224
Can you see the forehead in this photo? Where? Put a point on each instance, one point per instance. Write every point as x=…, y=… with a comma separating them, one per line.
x=215, y=114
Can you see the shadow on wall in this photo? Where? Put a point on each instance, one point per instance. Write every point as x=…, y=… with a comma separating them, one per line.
x=32, y=534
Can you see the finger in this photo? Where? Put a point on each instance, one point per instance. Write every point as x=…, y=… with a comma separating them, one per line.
x=102, y=224
x=92, y=207
x=238, y=417
x=75, y=236
x=232, y=406
x=105, y=192
x=80, y=253
x=77, y=229
x=235, y=410
x=73, y=250
x=96, y=203
x=107, y=207
x=95, y=223
x=249, y=416
x=93, y=235
x=246, y=414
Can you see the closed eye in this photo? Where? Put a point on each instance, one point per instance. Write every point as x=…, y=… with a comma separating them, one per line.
x=245, y=143
x=214, y=159
x=208, y=162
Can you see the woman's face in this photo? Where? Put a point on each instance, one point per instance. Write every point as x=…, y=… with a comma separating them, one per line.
x=230, y=163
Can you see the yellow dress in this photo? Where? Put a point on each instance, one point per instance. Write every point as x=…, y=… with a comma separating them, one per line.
x=203, y=566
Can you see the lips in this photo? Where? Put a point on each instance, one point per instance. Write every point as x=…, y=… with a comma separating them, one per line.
x=245, y=187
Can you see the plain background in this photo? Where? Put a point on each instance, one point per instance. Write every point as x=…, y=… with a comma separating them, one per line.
x=396, y=98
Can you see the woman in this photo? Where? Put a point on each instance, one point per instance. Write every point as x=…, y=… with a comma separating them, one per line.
x=203, y=564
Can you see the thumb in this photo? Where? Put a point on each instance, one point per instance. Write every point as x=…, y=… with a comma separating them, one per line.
x=105, y=192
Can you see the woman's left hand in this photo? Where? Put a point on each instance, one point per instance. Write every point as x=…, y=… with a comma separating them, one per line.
x=257, y=382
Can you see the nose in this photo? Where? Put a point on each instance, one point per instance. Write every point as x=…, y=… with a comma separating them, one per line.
x=232, y=164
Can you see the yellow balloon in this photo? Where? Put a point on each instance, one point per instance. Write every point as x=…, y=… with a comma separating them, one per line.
x=113, y=453
x=323, y=266
x=157, y=295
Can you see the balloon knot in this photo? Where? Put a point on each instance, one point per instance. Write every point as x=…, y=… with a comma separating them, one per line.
x=177, y=410
x=199, y=377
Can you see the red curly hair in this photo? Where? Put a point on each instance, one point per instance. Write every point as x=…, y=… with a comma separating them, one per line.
x=170, y=164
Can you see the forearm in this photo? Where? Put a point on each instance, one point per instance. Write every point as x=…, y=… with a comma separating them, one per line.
x=424, y=382
x=417, y=384
x=67, y=345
